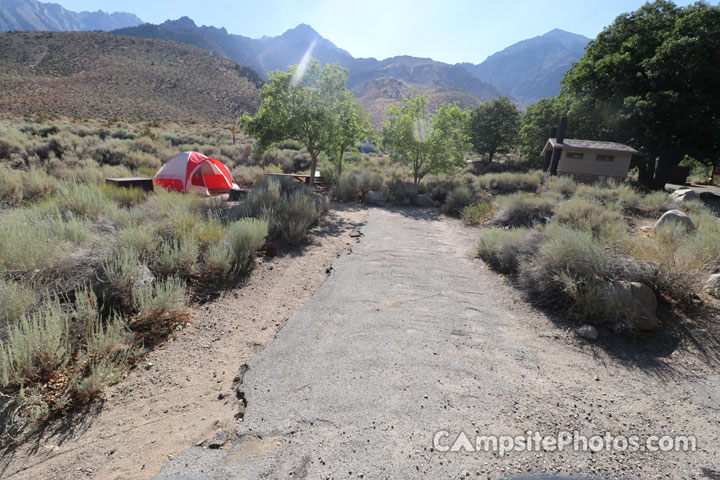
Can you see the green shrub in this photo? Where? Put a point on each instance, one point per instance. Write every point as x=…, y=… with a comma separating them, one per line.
x=219, y=264
x=11, y=186
x=583, y=214
x=32, y=240
x=656, y=203
x=457, y=199
x=562, y=184
x=292, y=216
x=439, y=187
x=477, y=212
x=245, y=237
x=122, y=273
x=399, y=192
x=176, y=257
x=88, y=201
x=209, y=232
x=504, y=249
x=36, y=347
x=567, y=270
x=159, y=306
x=141, y=239
x=354, y=184
x=523, y=210
x=15, y=299
x=125, y=197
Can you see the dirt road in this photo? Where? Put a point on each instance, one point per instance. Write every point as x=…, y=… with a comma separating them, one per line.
x=410, y=336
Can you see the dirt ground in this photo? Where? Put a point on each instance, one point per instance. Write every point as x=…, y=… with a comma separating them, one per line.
x=187, y=392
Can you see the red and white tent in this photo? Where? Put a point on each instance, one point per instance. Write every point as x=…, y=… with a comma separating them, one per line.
x=194, y=172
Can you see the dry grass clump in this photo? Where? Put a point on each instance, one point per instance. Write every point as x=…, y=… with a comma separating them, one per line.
x=562, y=184
x=523, y=210
x=567, y=271
x=288, y=207
x=244, y=238
x=571, y=263
x=354, y=184
x=22, y=186
x=509, y=182
x=602, y=222
x=504, y=249
x=85, y=201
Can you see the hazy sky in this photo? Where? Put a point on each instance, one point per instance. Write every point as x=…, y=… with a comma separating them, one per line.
x=446, y=30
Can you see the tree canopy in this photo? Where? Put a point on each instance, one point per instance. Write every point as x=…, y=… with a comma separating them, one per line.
x=494, y=127
x=653, y=76
x=427, y=144
x=309, y=104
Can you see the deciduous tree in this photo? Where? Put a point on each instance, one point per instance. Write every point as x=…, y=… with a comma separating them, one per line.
x=494, y=127
x=653, y=75
x=427, y=144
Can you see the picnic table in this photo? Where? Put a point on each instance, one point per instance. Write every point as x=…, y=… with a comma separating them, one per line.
x=129, y=182
x=299, y=177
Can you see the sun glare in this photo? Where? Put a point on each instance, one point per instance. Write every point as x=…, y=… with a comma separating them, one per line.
x=302, y=66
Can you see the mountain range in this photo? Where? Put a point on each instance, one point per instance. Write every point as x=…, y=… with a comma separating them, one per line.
x=532, y=69
x=34, y=15
x=527, y=71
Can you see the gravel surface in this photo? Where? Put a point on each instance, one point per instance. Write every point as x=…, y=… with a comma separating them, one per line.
x=411, y=336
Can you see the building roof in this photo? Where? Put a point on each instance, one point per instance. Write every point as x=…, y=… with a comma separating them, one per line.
x=588, y=145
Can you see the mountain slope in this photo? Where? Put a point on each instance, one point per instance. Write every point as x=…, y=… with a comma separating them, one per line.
x=271, y=53
x=34, y=15
x=90, y=74
x=532, y=69
x=377, y=94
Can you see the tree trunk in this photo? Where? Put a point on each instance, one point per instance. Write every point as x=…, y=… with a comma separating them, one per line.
x=664, y=169
x=491, y=155
x=340, y=160
x=646, y=170
x=313, y=166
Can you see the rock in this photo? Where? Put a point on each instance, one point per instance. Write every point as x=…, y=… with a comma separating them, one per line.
x=712, y=286
x=631, y=302
x=684, y=194
x=323, y=201
x=145, y=276
x=707, y=195
x=646, y=228
x=219, y=440
x=423, y=200
x=675, y=216
x=588, y=331
x=375, y=198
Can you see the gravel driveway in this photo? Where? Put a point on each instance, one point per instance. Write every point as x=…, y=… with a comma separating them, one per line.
x=410, y=336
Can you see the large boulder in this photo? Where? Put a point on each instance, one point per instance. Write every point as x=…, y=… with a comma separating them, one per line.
x=633, y=303
x=684, y=194
x=423, y=200
x=675, y=216
x=375, y=198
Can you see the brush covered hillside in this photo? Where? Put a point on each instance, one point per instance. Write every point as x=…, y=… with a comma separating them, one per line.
x=92, y=74
x=378, y=94
x=271, y=53
x=532, y=69
x=34, y=15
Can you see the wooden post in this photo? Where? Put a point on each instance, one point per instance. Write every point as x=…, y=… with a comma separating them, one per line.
x=548, y=154
x=233, y=134
x=557, y=152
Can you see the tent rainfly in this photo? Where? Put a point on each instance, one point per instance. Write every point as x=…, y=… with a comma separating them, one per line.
x=194, y=172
